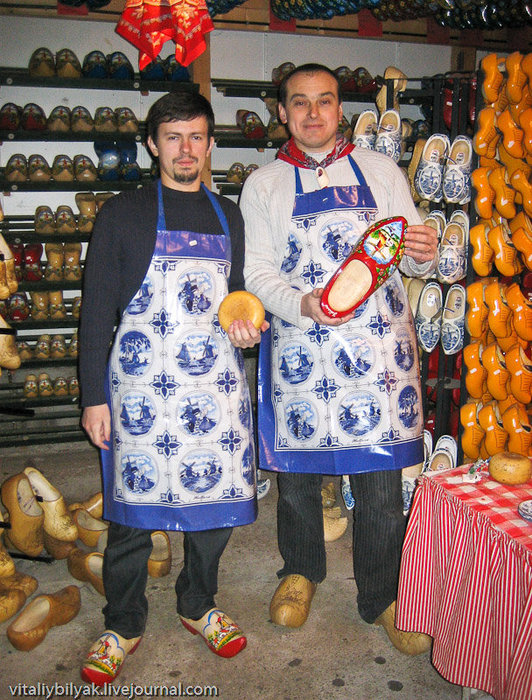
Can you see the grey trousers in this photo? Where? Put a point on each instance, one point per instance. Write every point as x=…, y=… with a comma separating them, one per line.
x=378, y=533
x=125, y=573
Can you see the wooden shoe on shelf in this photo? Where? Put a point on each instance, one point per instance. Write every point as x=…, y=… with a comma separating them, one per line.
x=516, y=422
x=63, y=168
x=490, y=421
x=504, y=194
x=456, y=185
x=429, y=173
x=520, y=369
x=81, y=120
x=16, y=169
x=45, y=611
x=25, y=515
x=499, y=312
x=44, y=383
x=484, y=194
x=507, y=259
x=42, y=63
x=290, y=605
x=494, y=363
x=491, y=65
x=399, y=85
x=65, y=221
x=57, y=519
x=482, y=255
x=55, y=256
x=452, y=321
x=521, y=311
x=516, y=79
x=525, y=122
x=512, y=134
x=389, y=139
x=250, y=124
x=67, y=64
x=44, y=220
x=38, y=169
x=365, y=130
x=59, y=119
x=223, y=636
x=520, y=182
x=486, y=135
x=476, y=375
x=473, y=433
x=9, y=357
x=33, y=118
x=106, y=656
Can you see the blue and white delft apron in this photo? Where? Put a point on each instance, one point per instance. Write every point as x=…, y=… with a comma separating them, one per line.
x=339, y=400
x=182, y=452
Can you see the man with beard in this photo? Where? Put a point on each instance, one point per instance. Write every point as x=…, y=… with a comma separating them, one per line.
x=148, y=247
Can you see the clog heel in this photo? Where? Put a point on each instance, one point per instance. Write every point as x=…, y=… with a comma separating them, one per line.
x=494, y=363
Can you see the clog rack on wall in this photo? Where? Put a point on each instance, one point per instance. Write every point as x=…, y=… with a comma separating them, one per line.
x=29, y=415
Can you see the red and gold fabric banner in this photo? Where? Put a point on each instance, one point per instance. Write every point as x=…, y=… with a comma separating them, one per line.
x=148, y=24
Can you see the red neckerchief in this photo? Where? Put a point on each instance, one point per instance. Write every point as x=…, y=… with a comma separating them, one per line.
x=291, y=154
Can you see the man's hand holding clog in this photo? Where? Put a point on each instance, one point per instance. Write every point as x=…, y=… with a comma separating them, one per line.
x=421, y=243
x=310, y=307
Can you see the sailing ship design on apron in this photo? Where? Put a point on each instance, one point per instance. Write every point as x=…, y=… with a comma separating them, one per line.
x=339, y=400
x=182, y=452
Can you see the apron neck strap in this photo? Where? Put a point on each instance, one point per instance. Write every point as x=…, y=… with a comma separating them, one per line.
x=361, y=179
x=161, y=219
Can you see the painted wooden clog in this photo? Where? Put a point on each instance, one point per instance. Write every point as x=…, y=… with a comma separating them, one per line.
x=374, y=259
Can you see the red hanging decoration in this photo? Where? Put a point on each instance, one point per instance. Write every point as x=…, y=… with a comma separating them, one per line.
x=148, y=24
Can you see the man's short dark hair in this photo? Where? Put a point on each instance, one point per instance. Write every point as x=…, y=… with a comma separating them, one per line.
x=306, y=68
x=179, y=106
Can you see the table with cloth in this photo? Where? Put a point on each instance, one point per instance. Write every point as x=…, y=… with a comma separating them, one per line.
x=466, y=580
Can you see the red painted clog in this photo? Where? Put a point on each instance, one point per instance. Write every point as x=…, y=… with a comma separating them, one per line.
x=374, y=259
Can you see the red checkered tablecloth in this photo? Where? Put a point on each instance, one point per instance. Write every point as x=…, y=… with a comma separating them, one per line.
x=496, y=501
x=466, y=580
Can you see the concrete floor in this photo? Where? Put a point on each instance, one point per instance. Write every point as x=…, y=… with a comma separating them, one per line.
x=335, y=655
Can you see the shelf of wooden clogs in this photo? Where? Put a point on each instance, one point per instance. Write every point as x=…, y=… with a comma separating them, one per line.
x=20, y=229
x=68, y=321
x=74, y=185
x=48, y=286
x=21, y=77
x=231, y=137
x=263, y=89
x=92, y=135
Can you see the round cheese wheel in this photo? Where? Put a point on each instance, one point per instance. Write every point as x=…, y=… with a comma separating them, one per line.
x=510, y=468
x=241, y=306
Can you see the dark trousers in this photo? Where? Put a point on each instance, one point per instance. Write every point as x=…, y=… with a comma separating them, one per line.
x=378, y=533
x=125, y=573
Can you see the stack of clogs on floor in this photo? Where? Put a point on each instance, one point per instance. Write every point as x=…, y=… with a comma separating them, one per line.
x=38, y=519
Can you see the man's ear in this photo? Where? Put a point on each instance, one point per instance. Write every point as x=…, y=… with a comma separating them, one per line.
x=282, y=114
x=211, y=145
x=153, y=148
